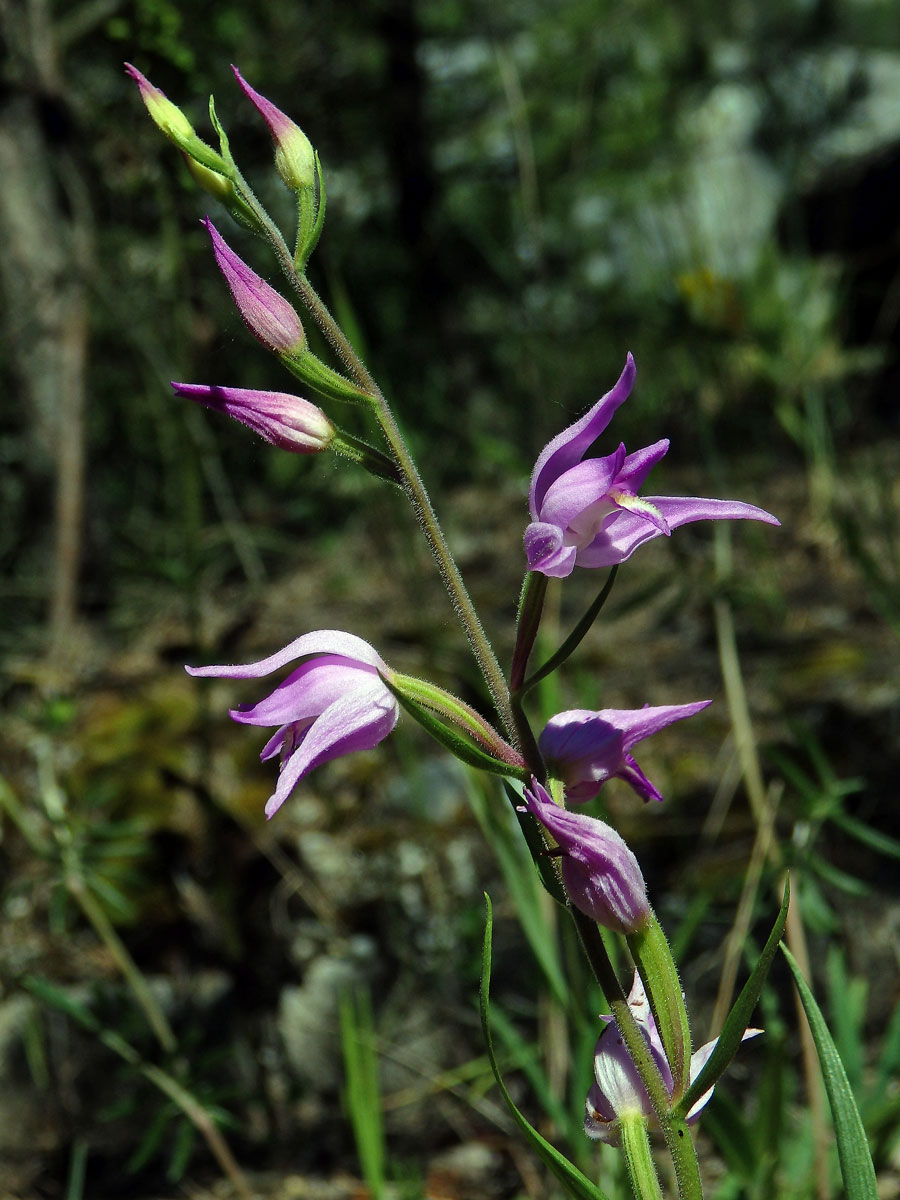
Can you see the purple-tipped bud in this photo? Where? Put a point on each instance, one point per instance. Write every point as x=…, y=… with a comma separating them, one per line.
x=167, y=116
x=267, y=315
x=599, y=871
x=295, y=160
x=286, y=421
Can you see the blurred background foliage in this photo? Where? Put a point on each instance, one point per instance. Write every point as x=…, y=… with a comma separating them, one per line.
x=517, y=194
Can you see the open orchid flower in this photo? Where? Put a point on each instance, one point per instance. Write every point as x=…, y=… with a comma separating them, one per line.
x=617, y=1088
x=587, y=513
x=584, y=748
x=330, y=705
x=600, y=873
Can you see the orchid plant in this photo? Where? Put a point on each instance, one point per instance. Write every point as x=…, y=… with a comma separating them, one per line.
x=339, y=695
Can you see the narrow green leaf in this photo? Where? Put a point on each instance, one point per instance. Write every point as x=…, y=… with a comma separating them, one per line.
x=55, y=997
x=843, y=880
x=575, y=638
x=739, y=1017
x=575, y=1183
x=362, y=1094
x=228, y=161
x=77, y=1170
x=853, y=1146
x=883, y=843
x=182, y=1151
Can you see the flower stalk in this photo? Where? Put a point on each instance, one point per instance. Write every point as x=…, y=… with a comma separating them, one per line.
x=638, y=1159
x=412, y=484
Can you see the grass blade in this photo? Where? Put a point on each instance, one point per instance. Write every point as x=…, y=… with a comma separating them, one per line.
x=739, y=1017
x=575, y=1183
x=852, y=1143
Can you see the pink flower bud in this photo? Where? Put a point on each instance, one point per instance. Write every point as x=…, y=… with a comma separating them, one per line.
x=295, y=160
x=286, y=421
x=267, y=315
x=601, y=874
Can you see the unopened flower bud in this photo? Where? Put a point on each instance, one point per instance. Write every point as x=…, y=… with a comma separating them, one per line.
x=286, y=421
x=600, y=873
x=266, y=314
x=295, y=159
x=167, y=116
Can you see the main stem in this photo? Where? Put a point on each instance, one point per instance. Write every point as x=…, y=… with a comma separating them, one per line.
x=411, y=480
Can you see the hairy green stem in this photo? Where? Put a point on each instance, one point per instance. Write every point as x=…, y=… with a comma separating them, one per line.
x=639, y=1160
x=410, y=478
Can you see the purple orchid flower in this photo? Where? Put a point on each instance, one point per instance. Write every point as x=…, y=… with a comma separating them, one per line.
x=286, y=421
x=332, y=704
x=295, y=159
x=600, y=873
x=587, y=513
x=266, y=314
x=584, y=748
x=617, y=1087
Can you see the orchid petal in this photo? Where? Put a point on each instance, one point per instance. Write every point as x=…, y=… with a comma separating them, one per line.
x=546, y=552
x=322, y=641
x=357, y=721
x=568, y=447
x=580, y=487
x=637, y=466
x=698, y=1062
x=307, y=691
